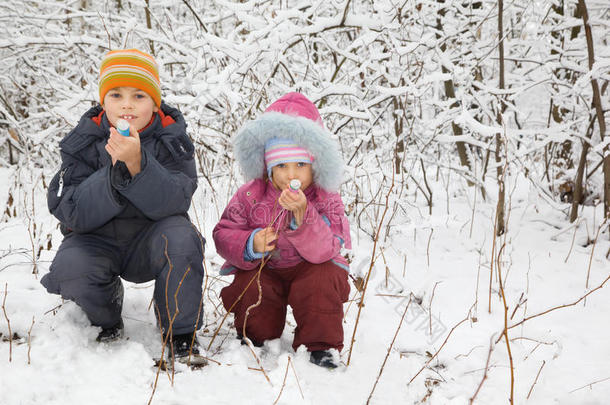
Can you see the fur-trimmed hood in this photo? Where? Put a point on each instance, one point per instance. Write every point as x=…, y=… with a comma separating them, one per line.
x=296, y=118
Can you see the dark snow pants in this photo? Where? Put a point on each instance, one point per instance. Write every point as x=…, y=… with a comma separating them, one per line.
x=87, y=270
x=316, y=293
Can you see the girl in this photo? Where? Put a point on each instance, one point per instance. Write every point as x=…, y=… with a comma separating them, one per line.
x=286, y=239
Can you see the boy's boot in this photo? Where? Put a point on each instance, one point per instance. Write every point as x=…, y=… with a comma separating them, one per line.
x=323, y=358
x=182, y=345
x=111, y=334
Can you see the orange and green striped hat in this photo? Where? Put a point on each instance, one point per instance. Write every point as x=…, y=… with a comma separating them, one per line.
x=130, y=68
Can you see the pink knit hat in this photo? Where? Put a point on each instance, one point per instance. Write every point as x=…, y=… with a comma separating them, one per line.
x=278, y=151
x=297, y=105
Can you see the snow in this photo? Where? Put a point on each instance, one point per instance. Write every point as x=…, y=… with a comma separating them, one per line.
x=423, y=253
x=380, y=71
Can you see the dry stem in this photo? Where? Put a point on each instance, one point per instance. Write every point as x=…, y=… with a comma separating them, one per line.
x=536, y=380
x=368, y=275
x=297, y=378
x=590, y=384
x=283, y=383
x=30, y=340
x=441, y=348
x=593, y=250
x=389, y=350
x=505, y=331
x=428, y=246
x=168, y=334
x=257, y=275
x=258, y=360
x=430, y=305
x=491, y=348
x=10, y=333
x=561, y=306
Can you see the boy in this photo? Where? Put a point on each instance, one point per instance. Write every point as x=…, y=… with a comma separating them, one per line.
x=122, y=204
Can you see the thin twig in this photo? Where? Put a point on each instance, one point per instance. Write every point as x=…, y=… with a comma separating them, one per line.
x=576, y=225
x=283, y=383
x=536, y=380
x=389, y=350
x=233, y=305
x=593, y=250
x=195, y=15
x=30, y=341
x=561, y=306
x=10, y=333
x=260, y=269
x=430, y=305
x=256, y=304
x=428, y=247
x=53, y=309
x=368, y=275
x=199, y=310
x=491, y=348
x=297, y=378
x=590, y=384
x=441, y=348
x=505, y=331
x=519, y=303
x=168, y=334
x=258, y=360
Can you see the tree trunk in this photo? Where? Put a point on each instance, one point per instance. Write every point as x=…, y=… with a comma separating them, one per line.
x=500, y=225
x=563, y=157
x=149, y=26
x=597, y=103
x=450, y=93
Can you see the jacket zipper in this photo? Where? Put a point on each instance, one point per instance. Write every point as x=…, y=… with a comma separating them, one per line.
x=61, y=182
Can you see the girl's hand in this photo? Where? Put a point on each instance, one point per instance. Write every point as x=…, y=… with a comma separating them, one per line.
x=126, y=149
x=264, y=240
x=295, y=202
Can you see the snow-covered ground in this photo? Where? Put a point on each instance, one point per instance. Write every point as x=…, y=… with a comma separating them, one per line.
x=444, y=259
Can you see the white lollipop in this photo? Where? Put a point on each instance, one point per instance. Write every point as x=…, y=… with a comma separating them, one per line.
x=295, y=185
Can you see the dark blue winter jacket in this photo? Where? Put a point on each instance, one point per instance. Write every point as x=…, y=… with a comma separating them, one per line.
x=90, y=195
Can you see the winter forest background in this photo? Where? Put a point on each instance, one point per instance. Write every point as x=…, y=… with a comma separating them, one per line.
x=477, y=182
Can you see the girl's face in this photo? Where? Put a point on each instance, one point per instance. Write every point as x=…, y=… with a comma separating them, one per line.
x=284, y=172
x=131, y=104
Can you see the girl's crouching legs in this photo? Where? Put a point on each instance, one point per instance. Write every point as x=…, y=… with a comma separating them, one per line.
x=265, y=321
x=317, y=294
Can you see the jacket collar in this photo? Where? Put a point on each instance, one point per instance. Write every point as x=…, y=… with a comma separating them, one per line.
x=162, y=120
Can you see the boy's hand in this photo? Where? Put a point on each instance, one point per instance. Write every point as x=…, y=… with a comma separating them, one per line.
x=125, y=148
x=263, y=240
x=295, y=202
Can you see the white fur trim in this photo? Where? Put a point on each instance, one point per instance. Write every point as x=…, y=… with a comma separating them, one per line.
x=249, y=147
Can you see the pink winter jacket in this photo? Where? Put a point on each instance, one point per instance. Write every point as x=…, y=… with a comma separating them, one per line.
x=324, y=230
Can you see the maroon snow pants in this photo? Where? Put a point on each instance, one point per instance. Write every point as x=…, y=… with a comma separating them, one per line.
x=316, y=293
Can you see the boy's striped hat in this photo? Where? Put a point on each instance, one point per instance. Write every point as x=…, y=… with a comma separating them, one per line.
x=130, y=68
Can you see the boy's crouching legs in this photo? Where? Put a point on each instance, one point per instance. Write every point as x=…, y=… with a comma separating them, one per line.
x=85, y=270
x=177, y=280
x=317, y=294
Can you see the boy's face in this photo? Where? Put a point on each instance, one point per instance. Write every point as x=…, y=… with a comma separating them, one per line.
x=133, y=105
x=284, y=172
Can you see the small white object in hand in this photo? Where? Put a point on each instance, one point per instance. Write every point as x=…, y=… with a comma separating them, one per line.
x=123, y=127
x=295, y=184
